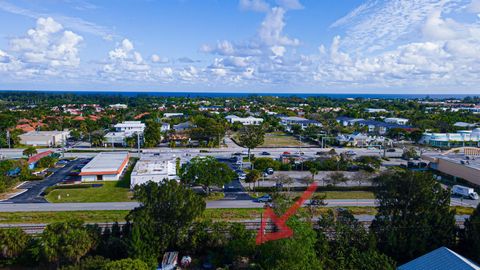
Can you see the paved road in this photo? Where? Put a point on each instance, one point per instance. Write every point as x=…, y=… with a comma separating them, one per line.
x=49, y=207
x=35, y=188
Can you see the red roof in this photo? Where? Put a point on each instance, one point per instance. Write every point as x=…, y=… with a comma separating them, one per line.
x=25, y=127
x=38, y=156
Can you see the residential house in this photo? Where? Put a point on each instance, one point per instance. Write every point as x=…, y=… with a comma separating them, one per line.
x=289, y=121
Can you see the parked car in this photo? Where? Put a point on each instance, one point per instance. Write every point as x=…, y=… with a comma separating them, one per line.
x=265, y=198
x=270, y=171
x=391, y=150
x=286, y=153
x=350, y=152
x=264, y=153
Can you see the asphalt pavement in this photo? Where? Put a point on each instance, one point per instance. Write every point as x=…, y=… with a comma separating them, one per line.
x=35, y=188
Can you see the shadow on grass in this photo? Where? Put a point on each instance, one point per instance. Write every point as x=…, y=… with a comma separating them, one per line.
x=125, y=182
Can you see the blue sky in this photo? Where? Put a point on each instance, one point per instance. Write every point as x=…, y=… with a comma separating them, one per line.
x=310, y=46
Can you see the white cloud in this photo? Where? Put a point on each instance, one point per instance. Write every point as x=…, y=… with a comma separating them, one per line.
x=254, y=5
x=46, y=46
x=73, y=23
x=290, y=4
x=155, y=58
x=124, y=63
x=437, y=28
x=474, y=6
x=270, y=31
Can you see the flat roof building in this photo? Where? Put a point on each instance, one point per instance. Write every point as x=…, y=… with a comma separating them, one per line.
x=460, y=139
x=125, y=130
x=461, y=163
x=250, y=120
x=45, y=138
x=106, y=166
x=153, y=167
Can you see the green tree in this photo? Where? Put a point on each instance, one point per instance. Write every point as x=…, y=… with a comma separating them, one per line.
x=336, y=178
x=414, y=215
x=127, y=264
x=352, y=247
x=369, y=163
x=153, y=135
x=206, y=171
x=30, y=151
x=470, y=241
x=66, y=242
x=13, y=242
x=296, y=252
x=251, y=137
x=263, y=163
x=97, y=139
x=166, y=213
x=47, y=162
x=253, y=176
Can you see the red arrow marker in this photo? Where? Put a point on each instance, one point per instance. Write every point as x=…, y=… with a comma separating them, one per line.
x=283, y=230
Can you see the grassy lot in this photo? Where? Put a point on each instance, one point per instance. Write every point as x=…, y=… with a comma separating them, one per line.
x=281, y=139
x=213, y=214
x=111, y=191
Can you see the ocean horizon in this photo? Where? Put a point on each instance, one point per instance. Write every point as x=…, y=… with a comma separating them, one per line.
x=243, y=94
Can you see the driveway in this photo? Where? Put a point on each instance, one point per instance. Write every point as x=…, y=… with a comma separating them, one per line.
x=35, y=188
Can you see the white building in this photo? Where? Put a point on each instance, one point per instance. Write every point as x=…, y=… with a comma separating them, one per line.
x=288, y=122
x=250, y=120
x=395, y=120
x=170, y=115
x=45, y=138
x=118, y=106
x=106, y=166
x=164, y=127
x=125, y=130
x=375, y=110
x=155, y=168
x=459, y=139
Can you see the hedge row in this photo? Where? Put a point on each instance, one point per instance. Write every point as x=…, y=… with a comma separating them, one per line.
x=319, y=189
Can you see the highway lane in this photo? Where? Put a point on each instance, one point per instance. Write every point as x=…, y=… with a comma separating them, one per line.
x=245, y=204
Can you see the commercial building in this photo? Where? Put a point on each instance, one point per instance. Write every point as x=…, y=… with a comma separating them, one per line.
x=348, y=121
x=440, y=259
x=446, y=140
x=250, y=120
x=33, y=160
x=463, y=163
x=288, y=122
x=359, y=140
x=125, y=130
x=375, y=110
x=155, y=168
x=118, y=106
x=106, y=166
x=171, y=115
x=45, y=138
x=396, y=120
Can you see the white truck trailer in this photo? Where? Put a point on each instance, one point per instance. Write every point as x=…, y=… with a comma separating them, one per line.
x=465, y=192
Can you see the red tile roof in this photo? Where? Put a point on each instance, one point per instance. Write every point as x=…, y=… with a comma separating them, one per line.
x=39, y=156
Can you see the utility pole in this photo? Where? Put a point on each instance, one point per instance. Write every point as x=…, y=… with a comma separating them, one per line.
x=8, y=139
x=138, y=143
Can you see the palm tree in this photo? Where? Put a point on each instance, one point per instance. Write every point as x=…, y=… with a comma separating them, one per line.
x=30, y=151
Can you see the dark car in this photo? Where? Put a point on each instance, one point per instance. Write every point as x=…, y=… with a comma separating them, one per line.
x=391, y=150
x=265, y=153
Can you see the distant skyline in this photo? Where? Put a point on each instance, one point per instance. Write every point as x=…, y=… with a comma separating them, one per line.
x=258, y=46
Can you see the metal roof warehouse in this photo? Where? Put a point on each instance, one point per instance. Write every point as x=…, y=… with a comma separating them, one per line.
x=107, y=166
